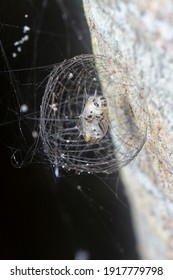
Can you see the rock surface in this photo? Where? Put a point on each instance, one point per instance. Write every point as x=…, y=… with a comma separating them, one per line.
x=139, y=35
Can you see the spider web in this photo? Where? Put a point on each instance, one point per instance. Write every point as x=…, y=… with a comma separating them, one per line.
x=49, y=120
x=30, y=46
x=23, y=74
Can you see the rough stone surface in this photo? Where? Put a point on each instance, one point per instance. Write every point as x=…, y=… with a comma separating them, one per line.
x=139, y=34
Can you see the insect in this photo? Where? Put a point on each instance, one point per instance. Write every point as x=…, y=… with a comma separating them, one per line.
x=94, y=119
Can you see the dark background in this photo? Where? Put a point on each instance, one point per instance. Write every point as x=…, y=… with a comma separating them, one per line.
x=41, y=217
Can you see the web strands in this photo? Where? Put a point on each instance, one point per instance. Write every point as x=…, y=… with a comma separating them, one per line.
x=81, y=142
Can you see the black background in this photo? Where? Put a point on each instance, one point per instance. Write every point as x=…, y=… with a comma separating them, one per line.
x=41, y=217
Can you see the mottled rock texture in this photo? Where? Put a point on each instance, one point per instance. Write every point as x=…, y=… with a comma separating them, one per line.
x=139, y=35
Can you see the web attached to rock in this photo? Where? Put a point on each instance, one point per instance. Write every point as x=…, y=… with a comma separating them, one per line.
x=91, y=138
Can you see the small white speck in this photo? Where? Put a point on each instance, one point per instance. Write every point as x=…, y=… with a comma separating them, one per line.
x=34, y=134
x=79, y=188
x=25, y=38
x=82, y=255
x=14, y=54
x=19, y=49
x=26, y=15
x=26, y=29
x=54, y=107
x=67, y=141
x=56, y=171
x=70, y=76
x=24, y=108
x=16, y=43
